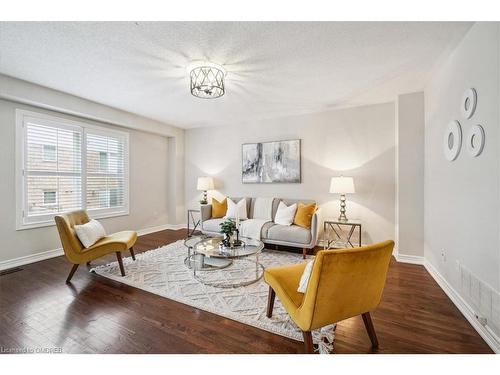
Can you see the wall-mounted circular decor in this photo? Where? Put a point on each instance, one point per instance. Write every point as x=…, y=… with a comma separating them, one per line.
x=475, y=140
x=452, y=140
x=469, y=101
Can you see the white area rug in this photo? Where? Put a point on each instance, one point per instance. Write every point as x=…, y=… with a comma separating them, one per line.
x=162, y=272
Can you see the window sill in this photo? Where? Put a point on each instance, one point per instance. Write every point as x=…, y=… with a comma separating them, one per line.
x=51, y=222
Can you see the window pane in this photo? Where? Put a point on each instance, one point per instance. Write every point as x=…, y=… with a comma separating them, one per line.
x=52, y=149
x=52, y=194
x=69, y=193
x=52, y=182
x=103, y=161
x=96, y=189
x=49, y=152
x=38, y=139
x=113, y=198
x=49, y=197
x=116, y=191
x=105, y=167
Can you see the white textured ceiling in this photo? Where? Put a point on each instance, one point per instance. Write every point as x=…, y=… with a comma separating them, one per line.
x=274, y=68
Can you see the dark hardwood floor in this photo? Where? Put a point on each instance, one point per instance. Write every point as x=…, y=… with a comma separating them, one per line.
x=97, y=315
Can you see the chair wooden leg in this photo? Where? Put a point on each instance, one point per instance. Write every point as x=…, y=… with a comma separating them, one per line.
x=120, y=262
x=367, y=319
x=304, y=253
x=72, y=272
x=132, y=253
x=308, y=342
x=270, y=302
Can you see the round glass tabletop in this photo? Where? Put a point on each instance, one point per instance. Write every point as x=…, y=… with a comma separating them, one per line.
x=206, y=254
x=210, y=247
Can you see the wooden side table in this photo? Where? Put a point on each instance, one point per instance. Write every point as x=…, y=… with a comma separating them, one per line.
x=192, y=220
x=332, y=230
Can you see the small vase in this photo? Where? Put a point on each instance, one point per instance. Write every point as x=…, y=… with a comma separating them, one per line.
x=227, y=240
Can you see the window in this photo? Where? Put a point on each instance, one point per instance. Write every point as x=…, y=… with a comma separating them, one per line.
x=88, y=169
x=49, y=197
x=49, y=152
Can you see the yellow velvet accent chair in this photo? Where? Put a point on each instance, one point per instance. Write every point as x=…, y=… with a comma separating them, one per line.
x=343, y=283
x=77, y=254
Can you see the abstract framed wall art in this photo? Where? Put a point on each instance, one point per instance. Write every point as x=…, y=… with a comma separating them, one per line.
x=271, y=162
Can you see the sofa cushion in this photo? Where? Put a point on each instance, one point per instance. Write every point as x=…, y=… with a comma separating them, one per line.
x=292, y=233
x=284, y=214
x=212, y=225
x=237, y=210
x=263, y=209
x=219, y=209
x=304, y=214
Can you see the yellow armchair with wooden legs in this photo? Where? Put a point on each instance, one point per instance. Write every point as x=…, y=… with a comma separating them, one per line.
x=343, y=283
x=77, y=254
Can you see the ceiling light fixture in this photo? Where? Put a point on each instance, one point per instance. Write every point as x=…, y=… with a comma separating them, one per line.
x=207, y=80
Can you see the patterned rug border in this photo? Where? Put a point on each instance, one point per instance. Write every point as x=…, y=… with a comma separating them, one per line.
x=101, y=271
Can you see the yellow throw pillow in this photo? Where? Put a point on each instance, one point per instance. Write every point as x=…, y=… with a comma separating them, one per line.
x=219, y=209
x=304, y=214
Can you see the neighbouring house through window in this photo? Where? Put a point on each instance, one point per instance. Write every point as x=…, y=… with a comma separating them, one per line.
x=103, y=161
x=49, y=197
x=49, y=153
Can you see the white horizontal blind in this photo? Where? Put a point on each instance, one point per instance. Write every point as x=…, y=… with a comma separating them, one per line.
x=52, y=171
x=105, y=171
x=67, y=165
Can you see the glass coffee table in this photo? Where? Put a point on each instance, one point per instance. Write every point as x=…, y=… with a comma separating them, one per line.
x=206, y=254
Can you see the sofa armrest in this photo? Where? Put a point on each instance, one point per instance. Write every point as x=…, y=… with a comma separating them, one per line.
x=206, y=212
x=315, y=223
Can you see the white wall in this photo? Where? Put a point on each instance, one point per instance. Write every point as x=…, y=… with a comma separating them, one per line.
x=358, y=142
x=462, y=197
x=410, y=174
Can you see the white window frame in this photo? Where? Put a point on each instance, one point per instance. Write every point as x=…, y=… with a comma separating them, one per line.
x=22, y=116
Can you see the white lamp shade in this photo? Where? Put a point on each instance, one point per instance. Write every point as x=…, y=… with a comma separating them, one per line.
x=342, y=185
x=205, y=183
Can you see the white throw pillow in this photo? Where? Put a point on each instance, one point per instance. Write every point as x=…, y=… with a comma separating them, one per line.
x=304, y=280
x=285, y=214
x=234, y=208
x=263, y=208
x=90, y=233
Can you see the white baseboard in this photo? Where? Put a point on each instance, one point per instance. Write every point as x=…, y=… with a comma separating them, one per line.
x=158, y=228
x=21, y=261
x=44, y=255
x=411, y=259
x=485, y=332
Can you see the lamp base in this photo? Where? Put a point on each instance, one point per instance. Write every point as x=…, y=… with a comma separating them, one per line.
x=342, y=216
x=204, y=200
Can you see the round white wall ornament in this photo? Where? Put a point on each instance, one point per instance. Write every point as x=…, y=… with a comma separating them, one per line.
x=475, y=140
x=452, y=140
x=469, y=101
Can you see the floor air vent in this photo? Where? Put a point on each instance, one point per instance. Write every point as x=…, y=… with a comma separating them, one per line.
x=11, y=270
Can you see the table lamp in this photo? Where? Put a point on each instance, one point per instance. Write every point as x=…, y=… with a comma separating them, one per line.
x=342, y=185
x=204, y=184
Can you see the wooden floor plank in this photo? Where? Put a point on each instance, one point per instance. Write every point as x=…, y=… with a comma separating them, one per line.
x=97, y=315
